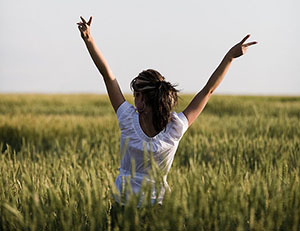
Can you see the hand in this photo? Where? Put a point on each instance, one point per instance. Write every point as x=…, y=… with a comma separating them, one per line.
x=84, y=28
x=240, y=48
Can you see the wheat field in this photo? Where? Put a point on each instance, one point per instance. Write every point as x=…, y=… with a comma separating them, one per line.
x=236, y=168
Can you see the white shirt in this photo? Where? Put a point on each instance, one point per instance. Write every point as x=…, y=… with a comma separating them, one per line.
x=136, y=149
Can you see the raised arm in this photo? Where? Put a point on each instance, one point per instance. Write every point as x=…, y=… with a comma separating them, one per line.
x=113, y=89
x=200, y=100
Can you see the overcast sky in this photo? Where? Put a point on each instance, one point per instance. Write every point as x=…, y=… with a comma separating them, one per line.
x=41, y=49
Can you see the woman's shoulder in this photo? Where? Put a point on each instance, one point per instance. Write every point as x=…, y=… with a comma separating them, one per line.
x=177, y=125
x=125, y=115
x=124, y=109
x=179, y=119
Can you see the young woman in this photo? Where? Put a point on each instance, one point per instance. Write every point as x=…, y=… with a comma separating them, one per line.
x=152, y=126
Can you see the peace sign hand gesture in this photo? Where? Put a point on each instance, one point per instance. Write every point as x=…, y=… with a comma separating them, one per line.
x=240, y=48
x=84, y=28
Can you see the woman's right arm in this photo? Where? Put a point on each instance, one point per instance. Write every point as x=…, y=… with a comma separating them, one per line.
x=113, y=89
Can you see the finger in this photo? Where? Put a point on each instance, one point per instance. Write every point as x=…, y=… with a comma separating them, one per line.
x=250, y=44
x=90, y=21
x=82, y=27
x=244, y=39
x=83, y=20
x=81, y=24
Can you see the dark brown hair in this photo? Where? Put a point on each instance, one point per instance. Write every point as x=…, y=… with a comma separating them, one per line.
x=157, y=93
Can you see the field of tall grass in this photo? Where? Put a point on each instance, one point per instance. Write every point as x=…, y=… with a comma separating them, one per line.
x=236, y=168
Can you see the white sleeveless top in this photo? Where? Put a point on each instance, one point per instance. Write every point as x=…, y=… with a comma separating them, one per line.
x=136, y=146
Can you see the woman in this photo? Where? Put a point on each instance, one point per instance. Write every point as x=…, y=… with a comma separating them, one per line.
x=150, y=133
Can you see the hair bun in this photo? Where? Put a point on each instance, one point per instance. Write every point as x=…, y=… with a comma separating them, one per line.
x=159, y=94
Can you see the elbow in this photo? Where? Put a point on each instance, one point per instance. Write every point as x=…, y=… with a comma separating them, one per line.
x=208, y=91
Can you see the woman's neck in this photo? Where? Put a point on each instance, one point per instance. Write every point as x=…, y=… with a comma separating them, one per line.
x=146, y=124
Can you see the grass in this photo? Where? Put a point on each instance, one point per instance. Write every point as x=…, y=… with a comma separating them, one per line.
x=236, y=168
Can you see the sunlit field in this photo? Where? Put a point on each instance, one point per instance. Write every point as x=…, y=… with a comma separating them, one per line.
x=236, y=168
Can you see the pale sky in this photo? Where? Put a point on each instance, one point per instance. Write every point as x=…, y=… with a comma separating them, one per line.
x=41, y=49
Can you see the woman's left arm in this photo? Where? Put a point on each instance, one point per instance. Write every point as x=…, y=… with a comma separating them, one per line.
x=200, y=100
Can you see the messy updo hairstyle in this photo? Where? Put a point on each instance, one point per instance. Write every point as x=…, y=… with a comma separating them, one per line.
x=157, y=93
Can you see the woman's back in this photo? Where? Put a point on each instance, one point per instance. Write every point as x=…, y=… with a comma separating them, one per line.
x=139, y=151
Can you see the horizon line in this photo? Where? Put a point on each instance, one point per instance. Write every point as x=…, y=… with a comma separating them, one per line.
x=128, y=93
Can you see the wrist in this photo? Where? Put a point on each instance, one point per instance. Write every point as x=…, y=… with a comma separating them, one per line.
x=88, y=39
x=228, y=57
